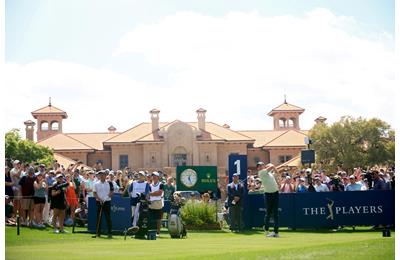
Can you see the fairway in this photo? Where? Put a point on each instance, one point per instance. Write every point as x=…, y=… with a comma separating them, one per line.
x=345, y=244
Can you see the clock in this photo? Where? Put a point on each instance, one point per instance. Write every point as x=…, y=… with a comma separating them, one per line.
x=189, y=178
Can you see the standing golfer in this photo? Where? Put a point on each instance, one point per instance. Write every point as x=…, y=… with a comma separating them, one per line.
x=103, y=191
x=271, y=195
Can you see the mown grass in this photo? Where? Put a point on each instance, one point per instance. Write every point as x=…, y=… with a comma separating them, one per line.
x=346, y=244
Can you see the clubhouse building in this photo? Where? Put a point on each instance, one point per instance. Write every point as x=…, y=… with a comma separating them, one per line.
x=162, y=146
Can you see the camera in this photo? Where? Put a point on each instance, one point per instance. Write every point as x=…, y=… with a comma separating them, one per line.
x=63, y=185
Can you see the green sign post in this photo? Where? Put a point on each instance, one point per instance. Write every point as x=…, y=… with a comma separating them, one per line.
x=199, y=178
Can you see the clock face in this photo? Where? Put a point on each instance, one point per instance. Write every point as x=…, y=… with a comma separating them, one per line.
x=189, y=178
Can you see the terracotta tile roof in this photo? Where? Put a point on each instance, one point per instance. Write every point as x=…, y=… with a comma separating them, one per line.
x=218, y=132
x=94, y=140
x=143, y=133
x=64, y=142
x=133, y=134
x=49, y=110
x=288, y=138
x=287, y=108
x=262, y=136
x=62, y=160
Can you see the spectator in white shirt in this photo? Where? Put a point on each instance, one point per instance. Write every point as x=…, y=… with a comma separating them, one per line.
x=320, y=187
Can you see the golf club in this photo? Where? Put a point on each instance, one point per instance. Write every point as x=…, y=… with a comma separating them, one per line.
x=98, y=220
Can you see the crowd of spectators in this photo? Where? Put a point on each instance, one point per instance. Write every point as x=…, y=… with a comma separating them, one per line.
x=308, y=180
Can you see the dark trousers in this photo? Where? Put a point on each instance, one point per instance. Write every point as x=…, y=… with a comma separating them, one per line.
x=106, y=211
x=271, y=205
x=235, y=212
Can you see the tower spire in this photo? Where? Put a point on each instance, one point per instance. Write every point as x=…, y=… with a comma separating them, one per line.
x=49, y=101
x=285, y=99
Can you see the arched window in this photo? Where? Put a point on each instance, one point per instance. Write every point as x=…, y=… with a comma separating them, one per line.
x=44, y=126
x=291, y=122
x=55, y=126
x=282, y=122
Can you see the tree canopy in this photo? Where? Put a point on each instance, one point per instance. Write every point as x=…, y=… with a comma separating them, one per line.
x=26, y=150
x=353, y=143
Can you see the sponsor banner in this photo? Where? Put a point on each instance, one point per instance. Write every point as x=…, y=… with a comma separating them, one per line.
x=120, y=214
x=196, y=178
x=256, y=206
x=327, y=209
x=344, y=208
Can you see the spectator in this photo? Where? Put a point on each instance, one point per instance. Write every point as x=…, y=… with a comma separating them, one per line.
x=71, y=197
x=336, y=184
x=16, y=175
x=319, y=186
x=27, y=192
x=353, y=186
x=58, y=203
x=111, y=178
x=8, y=183
x=9, y=215
x=89, y=182
x=286, y=185
x=47, y=213
x=169, y=189
x=379, y=183
x=39, y=199
x=301, y=187
x=205, y=198
x=235, y=203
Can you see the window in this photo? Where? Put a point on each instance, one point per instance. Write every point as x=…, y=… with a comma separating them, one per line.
x=123, y=161
x=284, y=158
x=55, y=126
x=282, y=122
x=179, y=159
x=153, y=157
x=44, y=126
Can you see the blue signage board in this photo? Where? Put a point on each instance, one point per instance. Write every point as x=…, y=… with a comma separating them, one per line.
x=257, y=208
x=327, y=209
x=120, y=214
x=344, y=208
x=238, y=164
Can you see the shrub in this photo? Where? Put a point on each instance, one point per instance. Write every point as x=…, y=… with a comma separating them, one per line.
x=199, y=215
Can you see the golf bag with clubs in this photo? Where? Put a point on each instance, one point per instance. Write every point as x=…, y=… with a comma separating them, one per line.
x=176, y=228
x=143, y=221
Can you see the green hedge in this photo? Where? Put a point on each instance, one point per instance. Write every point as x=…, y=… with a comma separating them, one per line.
x=199, y=215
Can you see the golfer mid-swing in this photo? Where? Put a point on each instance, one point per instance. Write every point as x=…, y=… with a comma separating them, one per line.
x=103, y=192
x=268, y=175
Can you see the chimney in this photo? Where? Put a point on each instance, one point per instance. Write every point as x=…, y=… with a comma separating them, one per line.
x=201, y=117
x=154, y=120
x=29, y=129
x=112, y=129
x=320, y=119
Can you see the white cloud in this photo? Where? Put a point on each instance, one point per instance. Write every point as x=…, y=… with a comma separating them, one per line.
x=237, y=67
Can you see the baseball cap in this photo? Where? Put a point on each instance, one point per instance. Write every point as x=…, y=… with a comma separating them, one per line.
x=142, y=173
x=308, y=170
x=302, y=179
x=101, y=172
x=42, y=165
x=31, y=169
x=16, y=161
x=352, y=177
x=260, y=163
x=156, y=174
x=59, y=175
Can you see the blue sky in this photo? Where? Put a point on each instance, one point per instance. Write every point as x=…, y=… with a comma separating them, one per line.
x=150, y=51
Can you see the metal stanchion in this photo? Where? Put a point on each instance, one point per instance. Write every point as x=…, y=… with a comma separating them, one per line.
x=17, y=223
